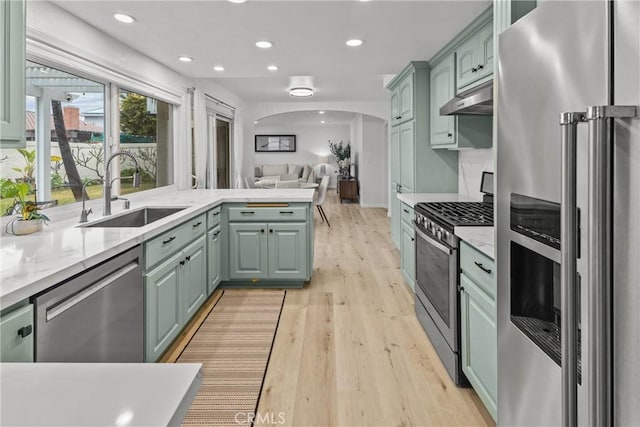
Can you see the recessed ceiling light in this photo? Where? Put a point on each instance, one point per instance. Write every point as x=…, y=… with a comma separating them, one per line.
x=300, y=91
x=320, y=112
x=354, y=42
x=185, y=58
x=322, y=121
x=264, y=44
x=255, y=122
x=237, y=1
x=218, y=68
x=123, y=17
x=272, y=68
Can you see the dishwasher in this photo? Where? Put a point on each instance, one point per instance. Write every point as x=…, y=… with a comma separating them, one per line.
x=96, y=316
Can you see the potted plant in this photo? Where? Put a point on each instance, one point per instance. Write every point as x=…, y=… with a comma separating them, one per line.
x=29, y=219
x=342, y=154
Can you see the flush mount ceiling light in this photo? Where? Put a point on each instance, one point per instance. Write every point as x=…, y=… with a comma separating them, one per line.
x=185, y=58
x=354, y=42
x=272, y=68
x=320, y=112
x=237, y=1
x=264, y=44
x=123, y=17
x=322, y=121
x=218, y=68
x=300, y=92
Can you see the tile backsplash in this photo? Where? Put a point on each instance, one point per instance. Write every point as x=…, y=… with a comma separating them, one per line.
x=471, y=164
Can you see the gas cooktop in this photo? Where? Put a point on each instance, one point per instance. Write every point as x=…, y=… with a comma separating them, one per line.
x=454, y=214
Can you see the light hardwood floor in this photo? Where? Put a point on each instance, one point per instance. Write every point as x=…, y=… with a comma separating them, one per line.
x=349, y=350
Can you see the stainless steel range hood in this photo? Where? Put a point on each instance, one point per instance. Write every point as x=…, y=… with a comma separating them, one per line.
x=477, y=101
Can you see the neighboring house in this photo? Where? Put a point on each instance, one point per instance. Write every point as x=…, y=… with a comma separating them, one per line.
x=77, y=130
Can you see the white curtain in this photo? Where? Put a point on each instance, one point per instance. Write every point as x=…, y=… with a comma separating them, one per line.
x=238, y=148
x=200, y=137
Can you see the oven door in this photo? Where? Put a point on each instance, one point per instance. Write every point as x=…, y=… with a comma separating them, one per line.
x=436, y=280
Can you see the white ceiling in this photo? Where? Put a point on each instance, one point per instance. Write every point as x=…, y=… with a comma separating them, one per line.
x=309, y=40
x=308, y=118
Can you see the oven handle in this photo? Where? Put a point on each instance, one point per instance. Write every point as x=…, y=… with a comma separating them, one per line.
x=432, y=242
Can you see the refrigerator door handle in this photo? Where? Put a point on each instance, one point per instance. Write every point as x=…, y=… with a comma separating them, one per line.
x=568, y=228
x=600, y=241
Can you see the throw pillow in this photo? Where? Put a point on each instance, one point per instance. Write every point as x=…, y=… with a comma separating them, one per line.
x=298, y=171
x=307, y=171
x=257, y=172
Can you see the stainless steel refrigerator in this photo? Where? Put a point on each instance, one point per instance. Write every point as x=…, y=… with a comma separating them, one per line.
x=568, y=215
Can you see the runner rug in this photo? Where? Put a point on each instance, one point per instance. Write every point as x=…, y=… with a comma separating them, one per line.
x=233, y=344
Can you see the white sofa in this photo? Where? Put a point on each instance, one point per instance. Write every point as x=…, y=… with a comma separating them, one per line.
x=285, y=172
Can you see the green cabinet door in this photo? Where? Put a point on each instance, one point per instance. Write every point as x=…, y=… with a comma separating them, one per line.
x=405, y=90
x=193, y=278
x=474, y=59
x=407, y=254
x=485, y=52
x=287, y=251
x=466, y=62
x=395, y=154
x=12, y=74
x=395, y=216
x=479, y=342
x=407, y=141
x=395, y=107
x=162, y=306
x=442, y=91
x=16, y=335
x=214, y=255
x=248, y=251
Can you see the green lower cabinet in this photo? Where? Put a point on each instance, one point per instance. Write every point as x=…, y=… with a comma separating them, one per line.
x=407, y=254
x=479, y=342
x=193, y=278
x=287, y=256
x=16, y=335
x=248, y=251
x=214, y=259
x=162, y=306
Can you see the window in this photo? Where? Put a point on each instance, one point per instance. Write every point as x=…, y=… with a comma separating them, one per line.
x=145, y=131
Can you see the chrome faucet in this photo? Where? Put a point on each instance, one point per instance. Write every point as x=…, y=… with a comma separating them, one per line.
x=108, y=181
x=84, y=215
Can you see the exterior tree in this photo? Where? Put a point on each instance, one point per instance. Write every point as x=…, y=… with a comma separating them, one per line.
x=134, y=117
x=65, y=150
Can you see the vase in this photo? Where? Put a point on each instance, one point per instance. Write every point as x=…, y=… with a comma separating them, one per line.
x=20, y=227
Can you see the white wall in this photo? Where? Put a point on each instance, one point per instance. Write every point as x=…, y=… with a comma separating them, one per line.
x=311, y=142
x=471, y=164
x=373, y=166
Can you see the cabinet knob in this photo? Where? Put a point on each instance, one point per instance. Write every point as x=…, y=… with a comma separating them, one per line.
x=182, y=262
x=262, y=230
x=413, y=239
x=449, y=135
x=271, y=230
x=473, y=70
x=480, y=66
x=25, y=331
x=188, y=257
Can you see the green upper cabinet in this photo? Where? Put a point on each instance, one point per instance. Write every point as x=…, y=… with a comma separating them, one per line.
x=474, y=59
x=442, y=91
x=287, y=243
x=12, y=74
x=407, y=141
x=402, y=100
x=16, y=335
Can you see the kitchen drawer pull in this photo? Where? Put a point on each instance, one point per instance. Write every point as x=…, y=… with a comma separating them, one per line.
x=171, y=239
x=25, y=331
x=406, y=210
x=216, y=233
x=287, y=212
x=197, y=224
x=482, y=267
x=247, y=212
x=216, y=213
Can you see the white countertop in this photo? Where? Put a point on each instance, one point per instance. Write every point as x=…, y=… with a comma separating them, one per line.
x=412, y=199
x=97, y=394
x=481, y=238
x=30, y=264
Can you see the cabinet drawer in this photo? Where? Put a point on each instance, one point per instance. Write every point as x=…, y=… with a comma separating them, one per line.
x=173, y=240
x=213, y=217
x=16, y=334
x=407, y=214
x=479, y=268
x=267, y=214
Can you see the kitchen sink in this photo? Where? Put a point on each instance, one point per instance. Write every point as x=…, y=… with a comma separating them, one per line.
x=136, y=218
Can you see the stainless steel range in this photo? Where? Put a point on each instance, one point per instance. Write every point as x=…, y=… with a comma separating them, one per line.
x=437, y=268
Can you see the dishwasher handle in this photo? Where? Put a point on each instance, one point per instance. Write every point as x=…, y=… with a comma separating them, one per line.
x=64, y=305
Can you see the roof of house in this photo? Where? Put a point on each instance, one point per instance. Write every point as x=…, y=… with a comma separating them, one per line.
x=84, y=126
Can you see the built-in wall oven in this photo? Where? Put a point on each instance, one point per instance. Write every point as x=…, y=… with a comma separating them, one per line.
x=437, y=274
